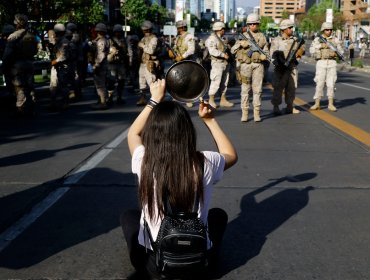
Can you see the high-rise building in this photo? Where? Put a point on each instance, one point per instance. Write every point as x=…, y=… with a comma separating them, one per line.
x=275, y=8
x=357, y=17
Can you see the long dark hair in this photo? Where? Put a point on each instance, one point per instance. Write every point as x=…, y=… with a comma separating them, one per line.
x=171, y=161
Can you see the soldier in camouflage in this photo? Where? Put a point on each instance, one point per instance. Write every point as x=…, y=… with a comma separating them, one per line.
x=149, y=67
x=285, y=78
x=100, y=50
x=184, y=46
x=119, y=61
x=61, y=78
x=77, y=60
x=326, y=65
x=17, y=59
x=219, y=75
x=251, y=67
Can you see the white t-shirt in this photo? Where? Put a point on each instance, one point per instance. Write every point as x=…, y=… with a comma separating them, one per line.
x=214, y=164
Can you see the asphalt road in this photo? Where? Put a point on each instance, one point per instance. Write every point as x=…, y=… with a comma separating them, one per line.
x=298, y=200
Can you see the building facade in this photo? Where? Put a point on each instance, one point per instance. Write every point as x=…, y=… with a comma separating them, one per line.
x=356, y=14
x=275, y=8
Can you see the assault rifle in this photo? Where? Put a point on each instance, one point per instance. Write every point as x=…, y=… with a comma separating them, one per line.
x=255, y=46
x=332, y=47
x=226, y=47
x=292, y=53
x=170, y=49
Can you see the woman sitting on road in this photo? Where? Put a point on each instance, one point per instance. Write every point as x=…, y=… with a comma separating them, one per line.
x=162, y=141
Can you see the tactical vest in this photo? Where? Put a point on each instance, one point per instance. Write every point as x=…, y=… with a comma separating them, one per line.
x=147, y=57
x=180, y=46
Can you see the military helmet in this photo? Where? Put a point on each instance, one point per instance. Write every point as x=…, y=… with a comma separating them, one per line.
x=181, y=23
x=68, y=33
x=71, y=26
x=217, y=26
x=101, y=27
x=117, y=28
x=286, y=23
x=253, y=18
x=20, y=19
x=326, y=25
x=146, y=25
x=59, y=27
x=8, y=29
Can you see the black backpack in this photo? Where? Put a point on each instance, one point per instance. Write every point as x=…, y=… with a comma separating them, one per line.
x=181, y=245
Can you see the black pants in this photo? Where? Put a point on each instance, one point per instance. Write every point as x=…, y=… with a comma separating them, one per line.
x=143, y=260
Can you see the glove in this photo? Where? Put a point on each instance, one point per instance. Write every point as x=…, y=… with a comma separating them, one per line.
x=323, y=46
x=178, y=58
x=140, y=45
x=244, y=44
x=263, y=57
x=171, y=54
x=300, y=53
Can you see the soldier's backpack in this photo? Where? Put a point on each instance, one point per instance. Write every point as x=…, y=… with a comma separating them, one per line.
x=181, y=245
x=27, y=46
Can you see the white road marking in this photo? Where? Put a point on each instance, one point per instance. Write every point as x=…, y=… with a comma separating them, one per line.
x=22, y=224
x=368, y=89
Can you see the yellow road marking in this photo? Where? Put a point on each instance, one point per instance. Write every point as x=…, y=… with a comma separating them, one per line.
x=349, y=129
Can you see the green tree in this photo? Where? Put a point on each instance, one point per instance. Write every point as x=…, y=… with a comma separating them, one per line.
x=92, y=13
x=264, y=21
x=316, y=15
x=136, y=12
x=285, y=14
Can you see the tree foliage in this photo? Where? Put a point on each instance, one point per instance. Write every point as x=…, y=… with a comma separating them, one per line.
x=264, y=21
x=136, y=11
x=92, y=13
x=316, y=15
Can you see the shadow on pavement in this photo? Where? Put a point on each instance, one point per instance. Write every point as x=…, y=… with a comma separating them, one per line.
x=246, y=235
x=83, y=213
x=34, y=156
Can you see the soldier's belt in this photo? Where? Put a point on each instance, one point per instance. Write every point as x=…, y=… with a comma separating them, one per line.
x=218, y=59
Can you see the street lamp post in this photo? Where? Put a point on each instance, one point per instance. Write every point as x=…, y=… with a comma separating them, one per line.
x=122, y=2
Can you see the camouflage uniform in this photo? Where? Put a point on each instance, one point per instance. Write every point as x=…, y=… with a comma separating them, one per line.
x=251, y=72
x=326, y=67
x=184, y=44
x=219, y=74
x=18, y=61
x=100, y=65
x=62, y=69
x=285, y=79
x=119, y=59
x=77, y=52
x=150, y=64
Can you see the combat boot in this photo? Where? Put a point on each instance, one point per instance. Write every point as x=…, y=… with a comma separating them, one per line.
x=224, y=102
x=212, y=102
x=256, y=115
x=316, y=106
x=331, y=106
x=244, y=115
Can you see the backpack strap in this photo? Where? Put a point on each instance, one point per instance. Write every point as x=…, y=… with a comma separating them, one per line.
x=168, y=209
x=147, y=232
